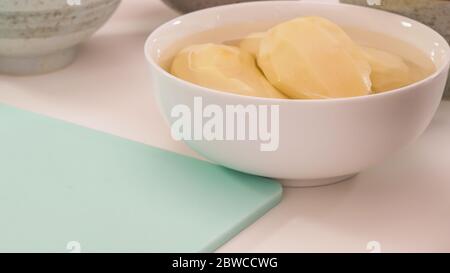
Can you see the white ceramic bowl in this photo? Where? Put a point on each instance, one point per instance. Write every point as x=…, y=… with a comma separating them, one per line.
x=39, y=36
x=321, y=141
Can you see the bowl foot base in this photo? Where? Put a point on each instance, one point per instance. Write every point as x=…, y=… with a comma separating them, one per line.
x=306, y=183
x=29, y=65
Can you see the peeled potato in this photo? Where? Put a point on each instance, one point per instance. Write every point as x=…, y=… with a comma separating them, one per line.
x=388, y=70
x=311, y=57
x=252, y=42
x=225, y=68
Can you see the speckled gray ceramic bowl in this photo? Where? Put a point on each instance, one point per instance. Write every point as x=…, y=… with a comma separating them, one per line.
x=435, y=13
x=186, y=6
x=39, y=36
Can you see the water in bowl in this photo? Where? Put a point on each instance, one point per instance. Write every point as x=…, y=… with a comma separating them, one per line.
x=421, y=65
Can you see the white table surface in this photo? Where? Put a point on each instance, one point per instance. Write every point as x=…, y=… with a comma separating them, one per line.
x=404, y=203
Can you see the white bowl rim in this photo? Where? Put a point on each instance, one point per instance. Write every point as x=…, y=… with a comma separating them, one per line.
x=393, y=92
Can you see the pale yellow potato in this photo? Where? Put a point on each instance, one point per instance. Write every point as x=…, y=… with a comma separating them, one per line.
x=252, y=42
x=311, y=57
x=389, y=71
x=225, y=68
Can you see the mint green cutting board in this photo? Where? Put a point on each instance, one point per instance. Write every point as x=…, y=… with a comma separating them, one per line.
x=67, y=187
